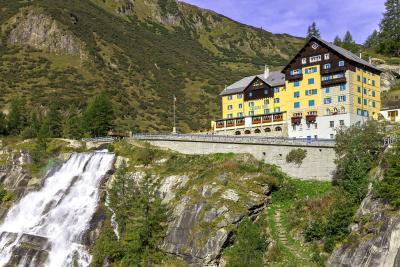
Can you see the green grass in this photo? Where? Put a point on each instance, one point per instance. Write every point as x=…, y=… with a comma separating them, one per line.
x=294, y=252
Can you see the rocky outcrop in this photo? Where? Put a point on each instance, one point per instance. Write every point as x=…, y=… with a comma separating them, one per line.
x=375, y=238
x=389, y=76
x=36, y=29
x=32, y=251
x=203, y=219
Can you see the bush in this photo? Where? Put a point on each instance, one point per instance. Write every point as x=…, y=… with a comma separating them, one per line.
x=388, y=188
x=315, y=231
x=4, y=195
x=296, y=156
x=249, y=246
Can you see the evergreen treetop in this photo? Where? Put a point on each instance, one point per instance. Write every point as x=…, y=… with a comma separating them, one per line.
x=313, y=31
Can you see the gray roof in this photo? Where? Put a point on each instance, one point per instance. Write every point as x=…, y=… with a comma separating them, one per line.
x=347, y=54
x=275, y=78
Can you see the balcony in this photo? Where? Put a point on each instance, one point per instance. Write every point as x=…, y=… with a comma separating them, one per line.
x=296, y=120
x=267, y=119
x=311, y=118
x=230, y=123
x=333, y=82
x=239, y=122
x=220, y=124
x=333, y=70
x=256, y=120
x=278, y=117
x=294, y=77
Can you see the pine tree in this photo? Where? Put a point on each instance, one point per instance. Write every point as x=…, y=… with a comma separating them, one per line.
x=313, y=31
x=3, y=124
x=372, y=40
x=390, y=29
x=17, y=116
x=99, y=115
x=141, y=217
x=53, y=121
x=348, y=38
x=34, y=124
x=349, y=43
x=337, y=41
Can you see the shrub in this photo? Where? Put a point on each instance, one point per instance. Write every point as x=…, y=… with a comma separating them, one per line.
x=314, y=231
x=4, y=195
x=296, y=156
x=249, y=246
x=388, y=188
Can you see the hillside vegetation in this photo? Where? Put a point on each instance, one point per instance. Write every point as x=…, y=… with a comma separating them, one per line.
x=139, y=52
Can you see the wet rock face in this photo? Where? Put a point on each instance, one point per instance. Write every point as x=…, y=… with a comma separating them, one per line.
x=12, y=175
x=30, y=251
x=32, y=28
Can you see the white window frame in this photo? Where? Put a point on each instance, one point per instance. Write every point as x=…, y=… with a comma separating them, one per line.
x=315, y=59
x=304, y=61
x=326, y=56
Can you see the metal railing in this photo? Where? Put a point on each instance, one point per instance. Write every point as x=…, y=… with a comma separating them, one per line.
x=236, y=139
x=98, y=139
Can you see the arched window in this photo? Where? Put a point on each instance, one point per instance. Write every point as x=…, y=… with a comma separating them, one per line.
x=238, y=133
x=342, y=110
x=247, y=132
x=267, y=130
x=278, y=129
x=257, y=131
x=334, y=110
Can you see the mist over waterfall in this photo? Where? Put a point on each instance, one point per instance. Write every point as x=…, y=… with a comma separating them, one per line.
x=46, y=227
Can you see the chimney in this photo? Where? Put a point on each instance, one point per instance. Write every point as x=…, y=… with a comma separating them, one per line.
x=360, y=55
x=266, y=72
x=370, y=60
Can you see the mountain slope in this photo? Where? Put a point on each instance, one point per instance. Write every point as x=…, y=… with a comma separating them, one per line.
x=141, y=52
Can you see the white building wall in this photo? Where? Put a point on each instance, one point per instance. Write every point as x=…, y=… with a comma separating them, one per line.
x=322, y=128
x=385, y=114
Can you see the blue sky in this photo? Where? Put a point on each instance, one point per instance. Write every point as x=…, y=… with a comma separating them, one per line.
x=333, y=17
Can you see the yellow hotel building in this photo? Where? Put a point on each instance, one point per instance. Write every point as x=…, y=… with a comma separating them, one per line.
x=322, y=88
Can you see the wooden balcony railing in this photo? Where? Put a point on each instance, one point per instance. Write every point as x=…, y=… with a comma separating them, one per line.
x=296, y=120
x=294, y=77
x=267, y=119
x=256, y=120
x=333, y=81
x=278, y=117
x=220, y=124
x=239, y=122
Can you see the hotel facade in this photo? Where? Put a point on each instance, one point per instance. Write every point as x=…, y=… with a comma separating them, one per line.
x=324, y=87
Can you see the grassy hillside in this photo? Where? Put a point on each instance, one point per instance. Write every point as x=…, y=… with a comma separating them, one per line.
x=140, y=53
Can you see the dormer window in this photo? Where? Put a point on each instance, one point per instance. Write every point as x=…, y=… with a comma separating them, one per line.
x=304, y=61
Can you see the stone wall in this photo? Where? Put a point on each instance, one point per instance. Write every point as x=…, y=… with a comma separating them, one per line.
x=318, y=165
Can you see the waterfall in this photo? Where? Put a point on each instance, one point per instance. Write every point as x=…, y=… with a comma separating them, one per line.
x=46, y=227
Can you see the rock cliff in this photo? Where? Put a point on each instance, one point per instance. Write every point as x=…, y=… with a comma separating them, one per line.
x=33, y=27
x=374, y=240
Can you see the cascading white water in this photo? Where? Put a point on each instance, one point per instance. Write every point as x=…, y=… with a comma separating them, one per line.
x=60, y=212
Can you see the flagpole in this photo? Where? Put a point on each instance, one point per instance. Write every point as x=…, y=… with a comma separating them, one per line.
x=174, y=128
